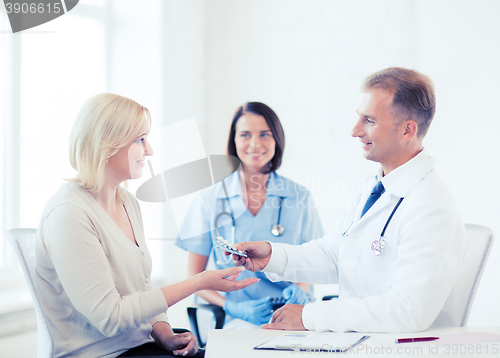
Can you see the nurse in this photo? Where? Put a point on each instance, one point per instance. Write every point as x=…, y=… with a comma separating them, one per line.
x=264, y=205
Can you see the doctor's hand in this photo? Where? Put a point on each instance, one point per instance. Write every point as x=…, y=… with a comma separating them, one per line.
x=259, y=254
x=295, y=294
x=254, y=311
x=224, y=280
x=288, y=317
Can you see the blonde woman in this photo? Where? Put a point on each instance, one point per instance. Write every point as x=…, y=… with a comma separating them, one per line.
x=93, y=266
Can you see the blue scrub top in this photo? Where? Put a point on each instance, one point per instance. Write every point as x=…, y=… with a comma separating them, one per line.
x=298, y=216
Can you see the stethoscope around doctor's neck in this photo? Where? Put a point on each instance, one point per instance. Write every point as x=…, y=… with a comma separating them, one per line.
x=378, y=245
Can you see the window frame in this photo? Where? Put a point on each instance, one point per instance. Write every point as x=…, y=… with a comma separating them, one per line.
x=11, y=46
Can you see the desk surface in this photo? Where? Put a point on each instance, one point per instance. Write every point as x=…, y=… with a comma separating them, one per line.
x=240, y=343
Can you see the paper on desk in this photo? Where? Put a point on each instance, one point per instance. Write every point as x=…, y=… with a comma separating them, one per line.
x=325, y=342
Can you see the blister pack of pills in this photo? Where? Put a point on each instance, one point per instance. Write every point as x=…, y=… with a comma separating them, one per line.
x=227, y=246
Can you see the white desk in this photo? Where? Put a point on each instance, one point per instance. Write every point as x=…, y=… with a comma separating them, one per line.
x=239, y=343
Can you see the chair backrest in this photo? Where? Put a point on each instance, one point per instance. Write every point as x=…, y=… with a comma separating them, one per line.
x=479, y=243
x=23, y=241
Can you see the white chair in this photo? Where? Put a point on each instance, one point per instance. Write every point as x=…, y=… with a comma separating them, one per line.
x=479, y=243
x=23, y=241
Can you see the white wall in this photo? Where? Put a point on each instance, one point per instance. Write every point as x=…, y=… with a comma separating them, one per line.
x=306, y=59
x=459, y=47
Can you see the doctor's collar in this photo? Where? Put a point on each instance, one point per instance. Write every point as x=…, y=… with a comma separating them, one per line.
x=401, y=180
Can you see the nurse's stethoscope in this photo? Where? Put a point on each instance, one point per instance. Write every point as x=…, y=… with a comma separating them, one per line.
x=277, y=229
x=378, y=245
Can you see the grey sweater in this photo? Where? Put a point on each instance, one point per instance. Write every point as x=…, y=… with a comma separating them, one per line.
x=94, y=283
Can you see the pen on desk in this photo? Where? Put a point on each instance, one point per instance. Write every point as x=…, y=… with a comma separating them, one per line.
x=418, y=339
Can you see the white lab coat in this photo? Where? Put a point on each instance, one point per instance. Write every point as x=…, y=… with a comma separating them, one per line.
x=404, y=289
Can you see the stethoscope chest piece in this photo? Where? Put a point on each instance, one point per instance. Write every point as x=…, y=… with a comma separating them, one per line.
x=277, y=230
x=378, y=246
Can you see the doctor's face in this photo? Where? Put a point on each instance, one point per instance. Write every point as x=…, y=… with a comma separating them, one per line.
x=254, y=141
x=377, y=131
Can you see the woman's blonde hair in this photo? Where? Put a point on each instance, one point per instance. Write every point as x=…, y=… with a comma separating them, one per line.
x=105, y=123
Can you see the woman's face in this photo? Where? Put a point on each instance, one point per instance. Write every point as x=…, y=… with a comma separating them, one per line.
x=254, y=141
x=128, y=162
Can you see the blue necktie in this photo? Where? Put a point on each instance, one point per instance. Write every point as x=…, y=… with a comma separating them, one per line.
x=377, y=190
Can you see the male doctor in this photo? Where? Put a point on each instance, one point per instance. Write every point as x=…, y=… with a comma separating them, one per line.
x=397, y=255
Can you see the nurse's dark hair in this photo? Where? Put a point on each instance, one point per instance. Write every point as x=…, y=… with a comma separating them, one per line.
x=414, y=97
x=274, y=124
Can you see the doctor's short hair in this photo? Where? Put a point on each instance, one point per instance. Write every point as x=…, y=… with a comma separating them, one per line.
x=104, y=124
x=414, y=97
x=274, y=124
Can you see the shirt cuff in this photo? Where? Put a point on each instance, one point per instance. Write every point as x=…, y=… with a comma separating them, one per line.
x=278, y=261
x=162, y=317
x=308, y=317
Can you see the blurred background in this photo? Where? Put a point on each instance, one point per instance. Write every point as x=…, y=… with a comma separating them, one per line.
x=306, y=59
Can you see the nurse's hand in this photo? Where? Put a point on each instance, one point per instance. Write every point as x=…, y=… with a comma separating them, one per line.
x=288, y=317
x=254, y=311
x=224, y=280
x=259, y=254
x=295, y=294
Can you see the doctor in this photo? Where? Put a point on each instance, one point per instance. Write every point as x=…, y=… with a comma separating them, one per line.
x=397, y=255
x=263, y=204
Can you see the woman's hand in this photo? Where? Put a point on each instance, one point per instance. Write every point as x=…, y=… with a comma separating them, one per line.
x=183, y=344
x=219, y=280
x=259, y=254
x=224, y=280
